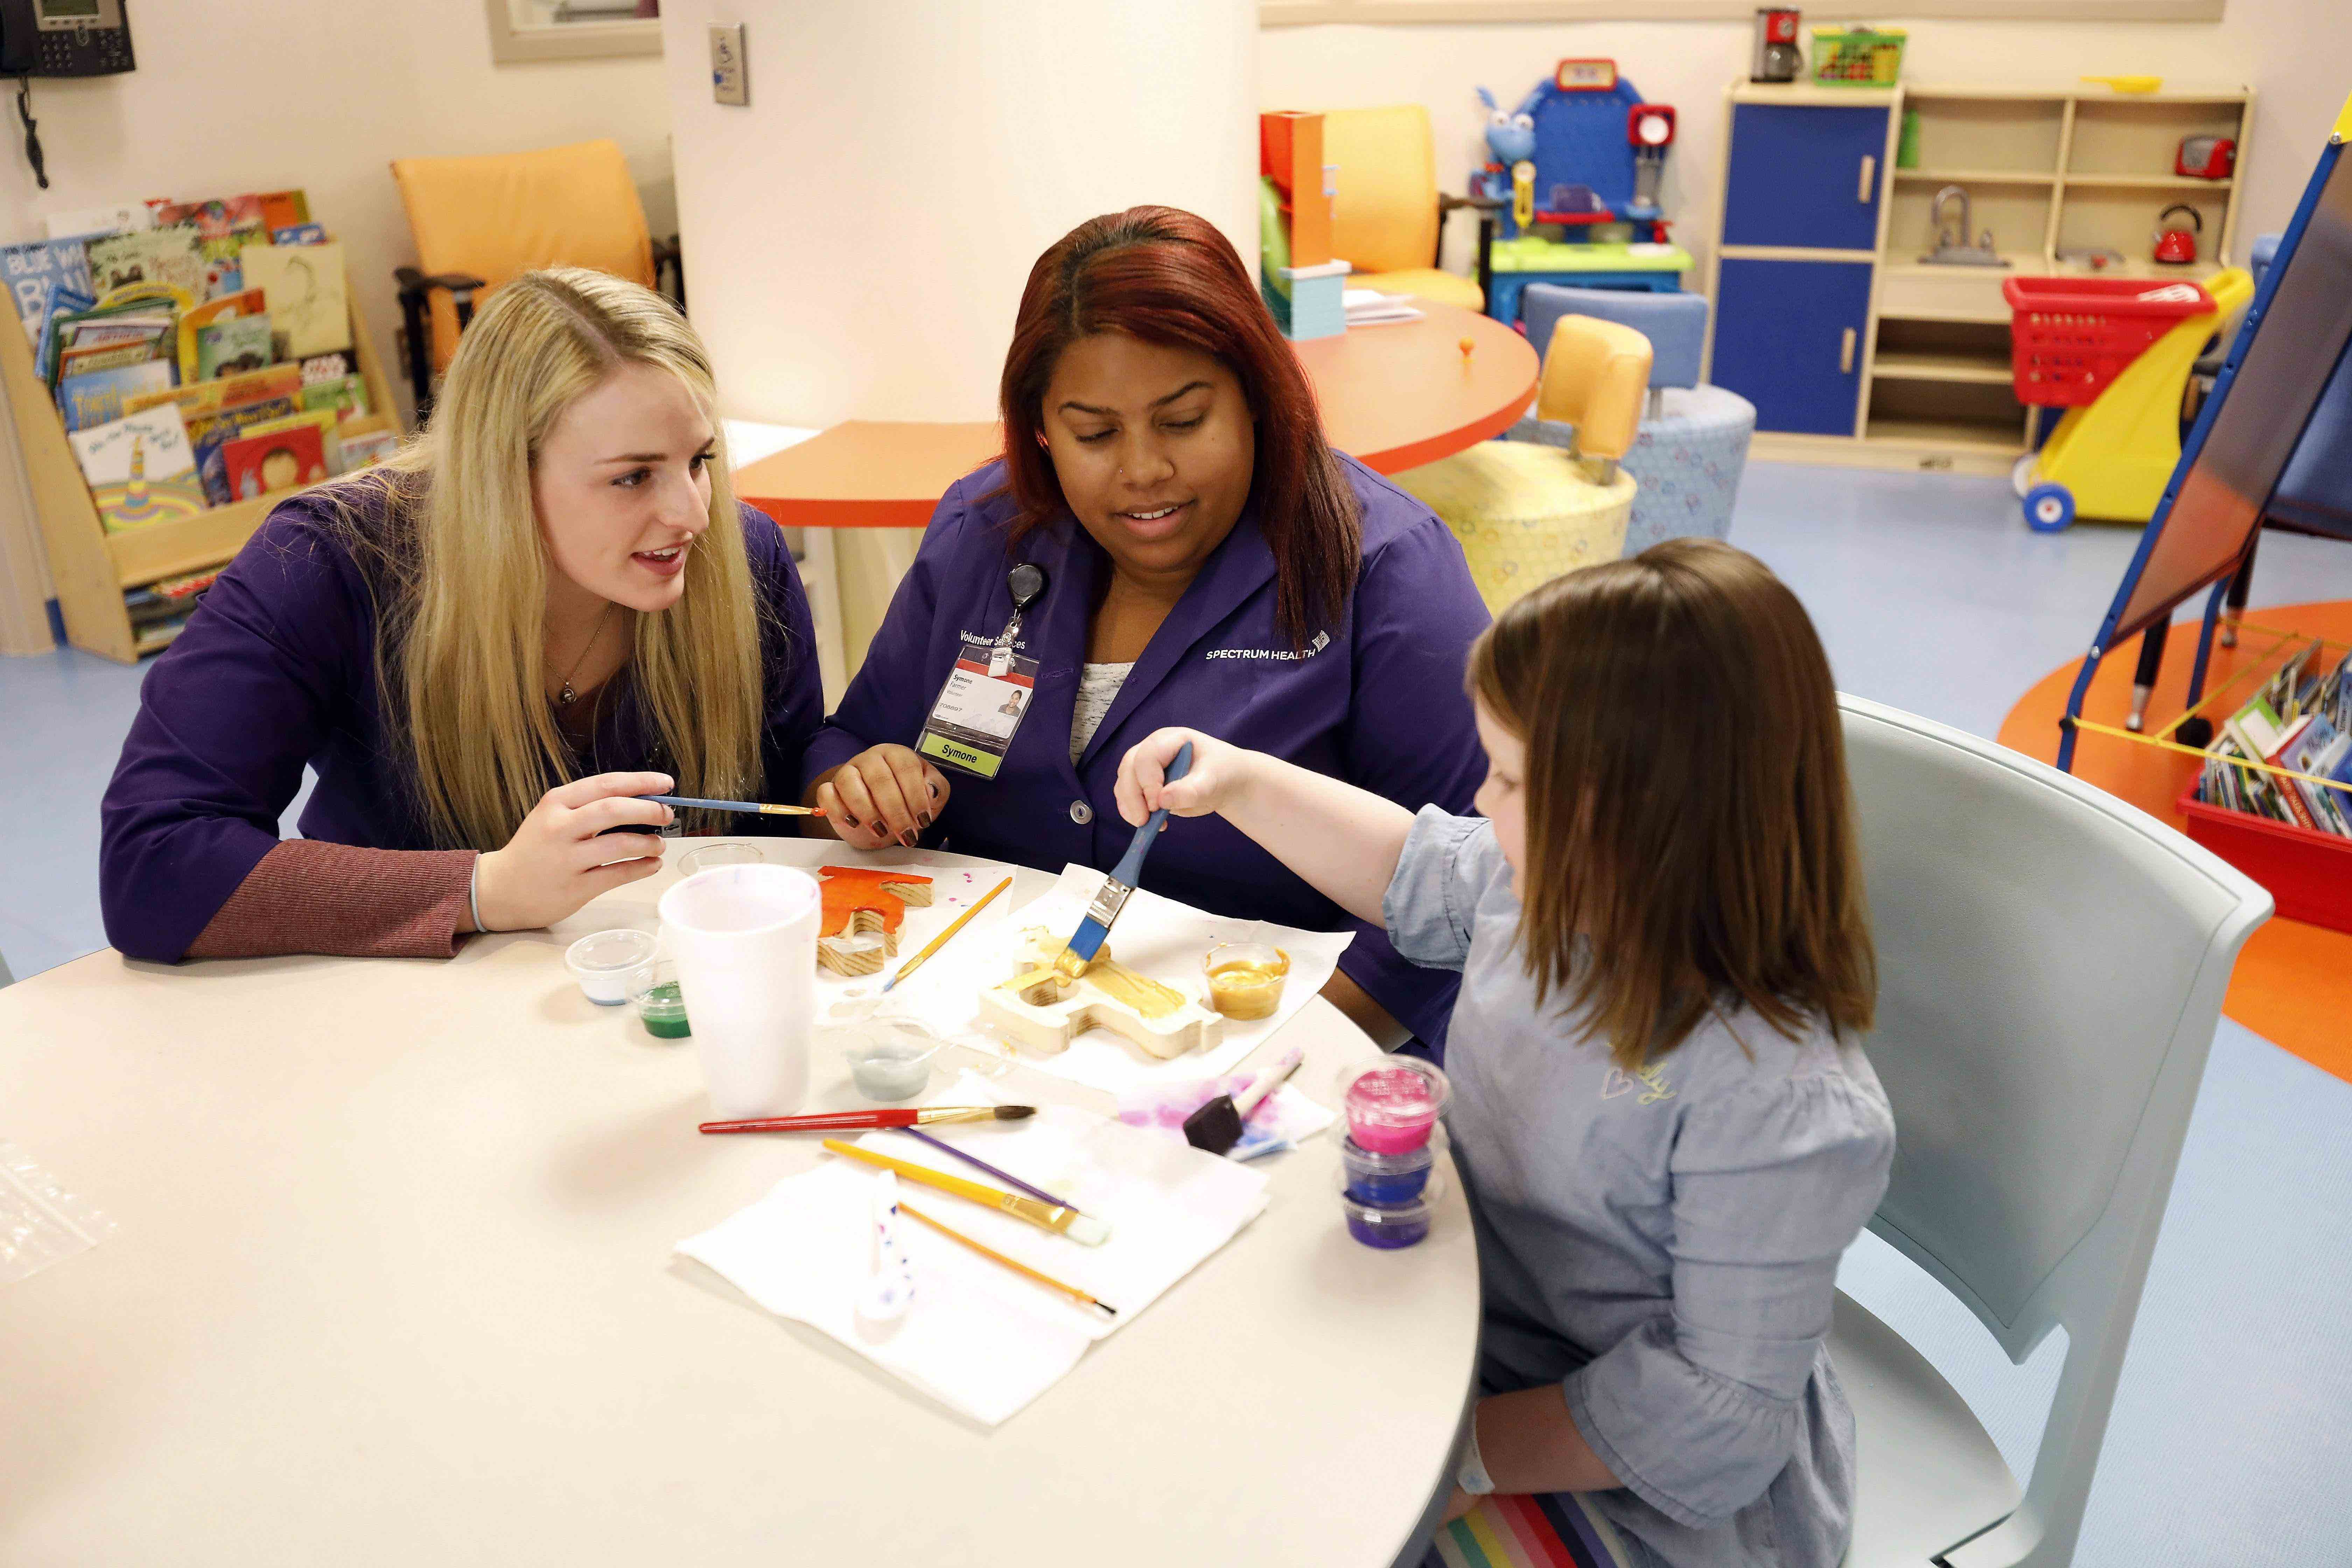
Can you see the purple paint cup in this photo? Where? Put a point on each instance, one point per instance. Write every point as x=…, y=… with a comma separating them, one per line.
x=1386, y=1180
x=1384, y=1227
x=1393, y=1105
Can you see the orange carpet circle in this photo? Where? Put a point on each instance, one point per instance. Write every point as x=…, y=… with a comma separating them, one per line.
x=2294, y=981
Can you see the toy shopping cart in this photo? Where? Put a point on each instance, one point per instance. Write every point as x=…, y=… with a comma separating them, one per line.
x=2115, y=353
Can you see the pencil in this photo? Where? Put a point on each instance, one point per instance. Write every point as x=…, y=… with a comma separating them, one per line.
x=1060, y=1219
x=759, y=807
x=1020, y=1268
x=940, y=941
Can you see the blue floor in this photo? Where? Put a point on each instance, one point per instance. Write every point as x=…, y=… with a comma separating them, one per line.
x=2230, y=1444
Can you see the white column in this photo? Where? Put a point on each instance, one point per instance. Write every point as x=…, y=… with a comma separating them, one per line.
x=857, y=237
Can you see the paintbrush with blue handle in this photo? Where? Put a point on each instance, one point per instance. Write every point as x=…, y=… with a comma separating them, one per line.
x=1079, y=955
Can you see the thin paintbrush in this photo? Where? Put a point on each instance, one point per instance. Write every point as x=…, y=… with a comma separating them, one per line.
x=1016, y=1265
x=761, y=808
x=1059, y=1218
x=939, y=941
x=831, y=1120
x=977, y=1163
x=1087, y=941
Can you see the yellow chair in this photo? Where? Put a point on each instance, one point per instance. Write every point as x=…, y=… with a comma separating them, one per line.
x=479, y=221
x=1388, y=213
x=1527, y=512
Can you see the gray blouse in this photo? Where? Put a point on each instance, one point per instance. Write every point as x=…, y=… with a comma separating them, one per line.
x=1664, y=1245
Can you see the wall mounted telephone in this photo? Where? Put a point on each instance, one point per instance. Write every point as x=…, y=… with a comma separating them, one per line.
x=59, y=37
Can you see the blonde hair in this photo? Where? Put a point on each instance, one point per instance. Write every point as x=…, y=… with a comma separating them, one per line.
x=461, y=639
x=1686, y=797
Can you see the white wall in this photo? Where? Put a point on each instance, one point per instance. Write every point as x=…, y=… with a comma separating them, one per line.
x=857, y=238
x=2296, y=54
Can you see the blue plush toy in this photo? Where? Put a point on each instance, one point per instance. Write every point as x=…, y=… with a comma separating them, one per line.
x=1511, y=134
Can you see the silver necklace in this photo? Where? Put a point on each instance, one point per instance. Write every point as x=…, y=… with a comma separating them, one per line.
x=566, y=696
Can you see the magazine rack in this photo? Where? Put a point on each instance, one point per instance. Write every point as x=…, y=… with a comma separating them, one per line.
x=92, y=567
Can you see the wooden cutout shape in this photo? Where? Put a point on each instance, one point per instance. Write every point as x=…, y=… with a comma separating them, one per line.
x=1050, y=1015
x=860, y=900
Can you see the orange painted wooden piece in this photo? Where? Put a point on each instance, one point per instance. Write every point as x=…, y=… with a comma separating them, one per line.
x=887, y=891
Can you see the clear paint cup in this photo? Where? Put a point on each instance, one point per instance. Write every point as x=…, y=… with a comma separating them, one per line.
x=603, y=962
x=1387, y=1227
x=744, y=940
x=726, y=852
x=1393, y=1105
x=889, y=1059
x=1245, y=978
x=660, y=1001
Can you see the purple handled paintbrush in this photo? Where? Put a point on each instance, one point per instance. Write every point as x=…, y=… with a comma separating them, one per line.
x=978, y=1163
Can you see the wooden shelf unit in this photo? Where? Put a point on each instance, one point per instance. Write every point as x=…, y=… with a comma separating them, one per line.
x=93, y=567
x=2047, y=169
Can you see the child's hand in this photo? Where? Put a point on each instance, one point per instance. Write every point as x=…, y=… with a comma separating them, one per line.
x=1218, y=773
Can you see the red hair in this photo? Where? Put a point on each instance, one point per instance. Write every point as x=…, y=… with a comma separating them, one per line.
x=1168, y=276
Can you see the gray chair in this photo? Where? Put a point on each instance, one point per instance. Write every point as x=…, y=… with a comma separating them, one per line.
x=2051, y=962
x=1692, y=447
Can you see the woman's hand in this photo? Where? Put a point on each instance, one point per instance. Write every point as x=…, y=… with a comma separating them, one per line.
x=1219, y=774
x=884, y=794
x=556, y=862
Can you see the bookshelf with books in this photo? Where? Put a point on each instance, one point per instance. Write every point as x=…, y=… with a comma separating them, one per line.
x=172, y=382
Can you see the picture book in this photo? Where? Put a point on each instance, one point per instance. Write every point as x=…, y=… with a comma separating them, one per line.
x=2298, y=805
x=278, y=460
x=63, y=301
x=345, y=397
x=223, y=228
x=320, y=419
x=148, y=256
x=329, y=367
x=140, y=468
x=232, y=346
x=244, y=303
x=370, y=438
x=97, y=220
x=284, y=209
x=84, y=358
x=96, y=397
x=2316, y=749
x=33, y=270
x=197, y=399
x=299, y=234
x=307, y=297
x=210, y=434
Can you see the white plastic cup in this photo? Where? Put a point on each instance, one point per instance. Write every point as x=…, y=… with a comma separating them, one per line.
x=744, y=938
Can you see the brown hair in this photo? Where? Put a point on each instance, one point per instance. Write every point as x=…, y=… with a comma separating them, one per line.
x=1166, y=277
x=1686, y=798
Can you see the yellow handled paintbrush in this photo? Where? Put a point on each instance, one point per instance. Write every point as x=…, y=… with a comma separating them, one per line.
x=1083, y=1228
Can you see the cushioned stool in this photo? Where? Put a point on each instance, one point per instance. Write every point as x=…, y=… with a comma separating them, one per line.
x=1528, y=512
x=1693, y=444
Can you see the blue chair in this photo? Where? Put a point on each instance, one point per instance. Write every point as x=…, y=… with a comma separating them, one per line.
x=1692, y=443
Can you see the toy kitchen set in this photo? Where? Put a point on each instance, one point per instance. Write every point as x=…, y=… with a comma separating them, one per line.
x=1868, y=225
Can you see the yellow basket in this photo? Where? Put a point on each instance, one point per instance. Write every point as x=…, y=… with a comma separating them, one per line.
x=1857, y=56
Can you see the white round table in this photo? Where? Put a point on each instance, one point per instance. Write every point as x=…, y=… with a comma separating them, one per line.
x=392, y=1283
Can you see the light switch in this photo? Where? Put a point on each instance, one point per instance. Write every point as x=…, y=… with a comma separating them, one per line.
x=729, y=82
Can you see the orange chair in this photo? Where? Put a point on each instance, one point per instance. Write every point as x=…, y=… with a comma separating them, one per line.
x=1387, y=216
x=480, y=221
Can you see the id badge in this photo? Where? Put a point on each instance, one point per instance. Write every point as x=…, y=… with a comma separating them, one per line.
x=972, y=724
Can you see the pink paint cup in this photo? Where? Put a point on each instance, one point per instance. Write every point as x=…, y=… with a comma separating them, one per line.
x=1393, y=1105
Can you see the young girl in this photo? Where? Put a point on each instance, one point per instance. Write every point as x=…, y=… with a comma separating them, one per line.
x=485, y=649
x=1667, y=1130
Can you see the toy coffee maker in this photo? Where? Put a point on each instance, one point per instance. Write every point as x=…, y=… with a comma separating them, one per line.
x=1776, y=57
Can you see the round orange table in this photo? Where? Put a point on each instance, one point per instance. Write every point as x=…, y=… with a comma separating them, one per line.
x=1394, y=397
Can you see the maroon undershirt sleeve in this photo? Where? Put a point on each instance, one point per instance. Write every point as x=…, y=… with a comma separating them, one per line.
x=307, y=896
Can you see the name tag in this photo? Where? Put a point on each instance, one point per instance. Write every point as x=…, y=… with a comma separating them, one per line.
x=979, y=710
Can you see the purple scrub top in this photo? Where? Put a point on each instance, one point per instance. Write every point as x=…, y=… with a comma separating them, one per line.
x=277, y=670
x=1376, y=699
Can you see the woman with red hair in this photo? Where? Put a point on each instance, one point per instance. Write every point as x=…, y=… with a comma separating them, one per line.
x=1167, y=540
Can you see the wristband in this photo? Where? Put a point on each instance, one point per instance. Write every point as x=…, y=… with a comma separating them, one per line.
x=1473, y=1478
x=474, y=904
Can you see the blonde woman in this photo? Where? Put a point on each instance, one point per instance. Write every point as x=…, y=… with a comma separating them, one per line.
x=486, y=648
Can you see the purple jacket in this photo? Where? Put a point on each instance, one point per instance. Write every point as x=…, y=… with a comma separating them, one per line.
x=1377, y=700
x=277, y=670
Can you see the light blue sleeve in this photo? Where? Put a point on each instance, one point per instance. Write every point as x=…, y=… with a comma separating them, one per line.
x=1697, y=1413
x=1448, y=866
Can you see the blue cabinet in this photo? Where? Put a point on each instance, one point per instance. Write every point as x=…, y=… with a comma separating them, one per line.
x=1788, y=338
x=1805, y=177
